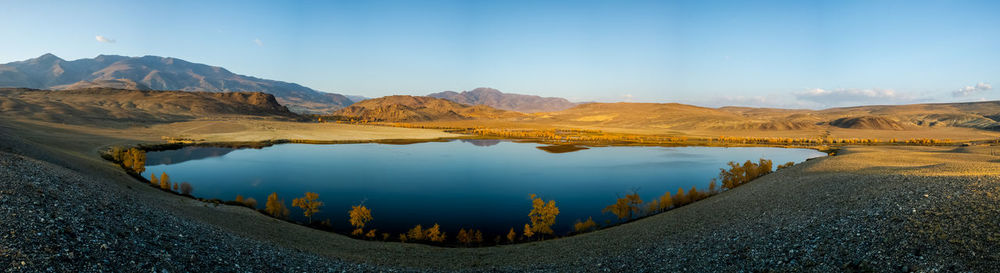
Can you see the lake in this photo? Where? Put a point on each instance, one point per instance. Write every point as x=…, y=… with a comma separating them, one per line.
x=481, y=184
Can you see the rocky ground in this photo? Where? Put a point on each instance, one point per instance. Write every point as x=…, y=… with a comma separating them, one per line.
x=56, y=220
x=883, y=209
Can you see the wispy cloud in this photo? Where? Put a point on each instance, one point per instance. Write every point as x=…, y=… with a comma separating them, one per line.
x=105, y=40
x=770, y=101
x=258, y=42
x=972, y=90
x=853, y=96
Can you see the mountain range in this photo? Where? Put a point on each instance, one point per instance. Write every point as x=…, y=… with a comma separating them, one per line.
x=158, y=73
x=106, y=107
x=514, y=102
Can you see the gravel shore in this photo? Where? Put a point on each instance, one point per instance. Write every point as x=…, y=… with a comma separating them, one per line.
x=884, y=209
x=56, y=220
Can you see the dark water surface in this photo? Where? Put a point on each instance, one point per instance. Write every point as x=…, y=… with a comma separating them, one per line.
x=482, y=184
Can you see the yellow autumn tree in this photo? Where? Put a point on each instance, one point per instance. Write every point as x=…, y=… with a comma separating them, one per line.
x=463, y=237
x=133, y=159
x=681, y=198
x=580, y=227
x=477, y=236
x=625, y=207
x=542, y=215
x=153, y=180
x=308, y=204
x=666, y=201
x=275, y=207
x=164, y=181
x=370, y=234
x=434, y=234
x=527, y=231
x=634, y=203
x=416, y=233
x=511, y=235
x=653, y=206
x=359, y=217
x=138, y=160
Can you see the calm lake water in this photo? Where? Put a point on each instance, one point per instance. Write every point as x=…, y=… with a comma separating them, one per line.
x=482, y=184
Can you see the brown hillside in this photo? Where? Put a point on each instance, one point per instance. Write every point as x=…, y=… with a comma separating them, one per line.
x=681, y=117
x=109, y=107
x=867, y=122
x=671, y=116
x=513, y=102
x=416, y=108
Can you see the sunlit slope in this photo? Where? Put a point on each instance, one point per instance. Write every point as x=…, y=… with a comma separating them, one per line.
x=108, y=107
x=417, y=108
x=978, y=115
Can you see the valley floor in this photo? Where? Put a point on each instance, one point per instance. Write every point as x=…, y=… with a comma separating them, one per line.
x=880, y=208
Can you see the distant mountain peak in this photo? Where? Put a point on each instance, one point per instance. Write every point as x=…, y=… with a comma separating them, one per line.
x=47, y=58
x=159, y=73
x=496, y=99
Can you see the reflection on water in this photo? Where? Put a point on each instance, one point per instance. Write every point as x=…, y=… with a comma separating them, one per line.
x=482, y=142
x=185, y=154
x=482, y=186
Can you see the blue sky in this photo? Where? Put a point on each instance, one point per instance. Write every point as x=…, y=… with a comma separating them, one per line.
x=809, y=54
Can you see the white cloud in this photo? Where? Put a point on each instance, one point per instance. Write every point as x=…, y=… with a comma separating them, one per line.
x=258, y=42
x=853, y=96
x=972, y=90
x=766, y=101
x=104, y=39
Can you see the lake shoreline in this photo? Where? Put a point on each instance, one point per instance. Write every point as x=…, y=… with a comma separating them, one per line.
x=788, y=220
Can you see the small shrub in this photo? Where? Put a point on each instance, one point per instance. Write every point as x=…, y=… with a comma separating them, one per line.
x=786, y=165
x=186, y=188
x=250, y=202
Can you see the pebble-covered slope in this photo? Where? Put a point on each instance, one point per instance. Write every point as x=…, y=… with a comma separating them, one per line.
x=56, y=220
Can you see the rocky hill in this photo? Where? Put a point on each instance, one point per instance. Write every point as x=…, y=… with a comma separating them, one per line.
x=416, y=108
x=158, y=73
x=110, y=107
x=514, y=102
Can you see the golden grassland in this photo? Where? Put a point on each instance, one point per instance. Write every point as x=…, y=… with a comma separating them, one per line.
x=576, y=136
